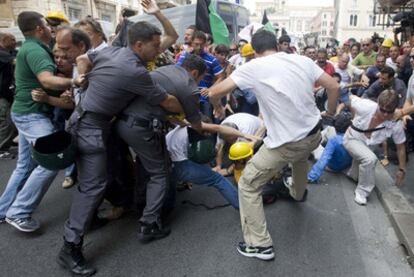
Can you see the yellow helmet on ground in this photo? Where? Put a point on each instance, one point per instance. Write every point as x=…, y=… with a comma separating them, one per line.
x=240, y=150
x=247, y=50
x=387, y=43
x=56, y=15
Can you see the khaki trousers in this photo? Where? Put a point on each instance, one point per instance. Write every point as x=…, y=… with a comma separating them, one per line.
x=259, y=170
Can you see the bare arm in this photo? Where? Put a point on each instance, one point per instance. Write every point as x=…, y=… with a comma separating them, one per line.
x=50, y=81
x=219, y=90
x=170, y=34
x=332, y=89
x=402, y=164
x=42, y=97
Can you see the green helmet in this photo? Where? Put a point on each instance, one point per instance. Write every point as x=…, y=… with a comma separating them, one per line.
x=55, y=151
x=202, y=151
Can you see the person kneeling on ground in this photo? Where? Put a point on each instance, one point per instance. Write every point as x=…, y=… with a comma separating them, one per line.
x=373, y=124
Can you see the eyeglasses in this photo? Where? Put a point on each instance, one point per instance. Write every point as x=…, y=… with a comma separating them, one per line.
x=233, y=49
x=386, y=111
x=365, y=44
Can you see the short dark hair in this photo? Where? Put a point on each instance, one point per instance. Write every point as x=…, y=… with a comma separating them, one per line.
x=142, y=31
x=322, y=51
x=95, y=25
x=28, y=21
x=342, y=121
x=128, y=12
x=222, y=49
x=78, y=36
x=194, y=62
x=200, y=35
x=284, y=38
x=264, y=40
x=388, y=70
x=309, y=47
x=381, y=56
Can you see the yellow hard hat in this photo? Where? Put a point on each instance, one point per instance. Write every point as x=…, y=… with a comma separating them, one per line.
x=388, y=43
x=247, y=50
x=56, y=15
x=240, y=150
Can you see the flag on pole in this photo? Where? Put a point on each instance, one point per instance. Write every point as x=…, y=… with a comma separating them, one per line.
x=209, y=21
x=267, y=25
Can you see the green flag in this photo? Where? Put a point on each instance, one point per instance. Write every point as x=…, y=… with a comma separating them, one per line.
x=266, y=23
x=218, y=26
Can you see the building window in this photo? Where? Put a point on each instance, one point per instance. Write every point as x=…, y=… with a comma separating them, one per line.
x=74, y=14
x=371, y=21
x=331, y=33
x=323, y=32
x=324, y=16
x=353, y=20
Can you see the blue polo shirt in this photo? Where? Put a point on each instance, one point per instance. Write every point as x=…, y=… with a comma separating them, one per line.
x=213, y=69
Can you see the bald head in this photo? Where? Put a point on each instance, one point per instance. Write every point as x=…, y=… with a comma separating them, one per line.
x=343, y=60
x=7, y=41
x=73, y=42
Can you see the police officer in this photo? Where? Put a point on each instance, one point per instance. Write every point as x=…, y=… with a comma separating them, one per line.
x=142, y=126
x=118, y=75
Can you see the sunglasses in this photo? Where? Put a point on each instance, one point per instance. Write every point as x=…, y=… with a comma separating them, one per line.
x=412, y=57
x=233, y=49
x=365, y=44
x=386, y=111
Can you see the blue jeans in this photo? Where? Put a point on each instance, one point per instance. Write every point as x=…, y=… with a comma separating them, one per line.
x=29, y=181
x=197, y=174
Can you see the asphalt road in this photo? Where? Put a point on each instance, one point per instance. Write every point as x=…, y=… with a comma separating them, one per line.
x=328, y=235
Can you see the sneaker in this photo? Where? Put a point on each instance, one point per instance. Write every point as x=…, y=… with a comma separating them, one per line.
x=68, y=182
x=262, y=253
x=6, y=155
x=149, y=232
x=27, y=224
x=2, y=220
x=359, y=199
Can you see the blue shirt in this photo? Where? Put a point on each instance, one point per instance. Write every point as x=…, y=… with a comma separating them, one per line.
x=334, y=156
x=213, y=69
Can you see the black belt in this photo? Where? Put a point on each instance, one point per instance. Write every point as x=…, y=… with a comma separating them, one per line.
x=315, y=129
x=368, y=130
x=133, y=121
x=93, y=115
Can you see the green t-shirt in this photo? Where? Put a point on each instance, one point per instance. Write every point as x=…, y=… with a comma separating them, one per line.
x=361, y=59
x=33, y=58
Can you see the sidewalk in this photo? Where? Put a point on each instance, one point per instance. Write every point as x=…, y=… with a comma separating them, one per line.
x=399, y=203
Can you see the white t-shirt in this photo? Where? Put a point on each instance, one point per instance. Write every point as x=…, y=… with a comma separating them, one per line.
x=364, y=111
x=283, y=84
x=177, y=144
x=246, y=123
x=391, y=64
x=237, y=60
x=410, y=89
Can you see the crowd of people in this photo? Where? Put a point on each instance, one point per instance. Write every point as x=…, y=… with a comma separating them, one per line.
x=150, y=116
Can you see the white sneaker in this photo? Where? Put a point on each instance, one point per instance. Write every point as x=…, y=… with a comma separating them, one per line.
x=359, y=199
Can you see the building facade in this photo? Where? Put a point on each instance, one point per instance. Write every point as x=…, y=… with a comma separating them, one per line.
x=356, y=19
x=323, y=25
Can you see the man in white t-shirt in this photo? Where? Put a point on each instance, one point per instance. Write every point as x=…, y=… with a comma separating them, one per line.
x=283, y=85
x=372, y=125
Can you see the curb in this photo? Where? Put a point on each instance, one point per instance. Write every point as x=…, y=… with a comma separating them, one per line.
x=399, y=210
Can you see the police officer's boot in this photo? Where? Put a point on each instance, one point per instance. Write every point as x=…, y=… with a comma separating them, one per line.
x=151, y=231
x=71, y=258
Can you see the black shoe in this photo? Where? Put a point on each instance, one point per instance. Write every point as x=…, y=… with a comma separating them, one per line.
x=71, y=258
x=262, y=253
x=149, y=232
x=283, y=191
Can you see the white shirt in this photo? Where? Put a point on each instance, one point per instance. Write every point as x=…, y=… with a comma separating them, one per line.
x=364, y=111
x=246, y=123
x=237, y=60
x=100, y=47
x=283, y=84
x=391, y=64
x=410, y=89
x=177, y=144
